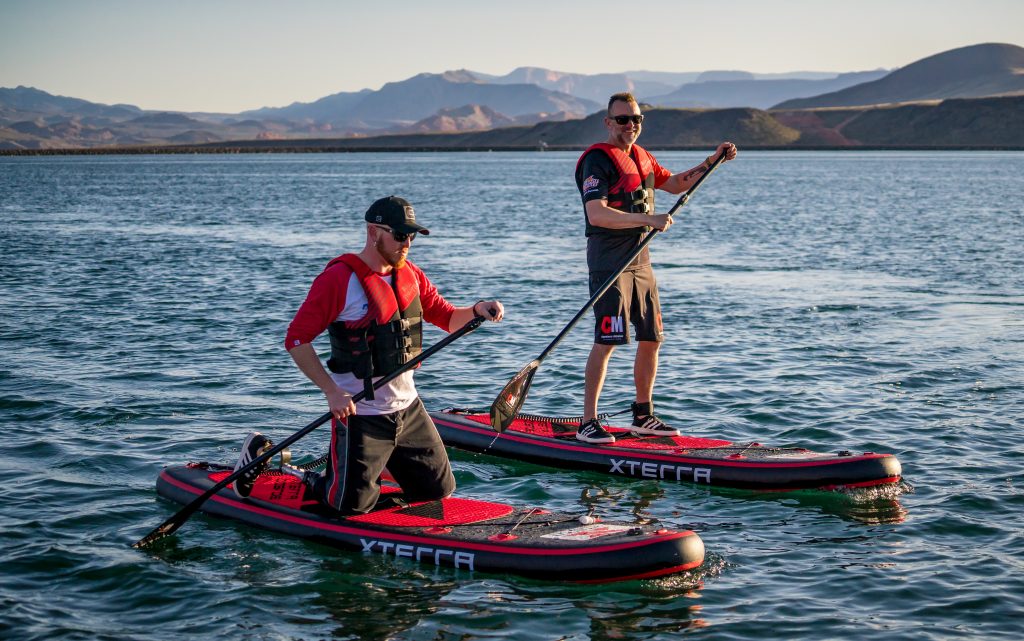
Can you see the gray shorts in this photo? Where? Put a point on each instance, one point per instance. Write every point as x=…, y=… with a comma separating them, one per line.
x=631, y=300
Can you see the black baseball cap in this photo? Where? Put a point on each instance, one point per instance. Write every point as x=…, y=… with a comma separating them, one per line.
x=397, y=214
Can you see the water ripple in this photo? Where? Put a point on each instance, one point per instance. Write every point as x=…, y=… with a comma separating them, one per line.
x=831, y=301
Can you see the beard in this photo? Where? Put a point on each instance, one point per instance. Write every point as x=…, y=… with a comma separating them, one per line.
x=628, y=138
x=396, y=258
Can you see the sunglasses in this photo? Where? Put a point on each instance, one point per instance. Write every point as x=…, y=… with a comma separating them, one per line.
x=621, y=120
x=399, y=236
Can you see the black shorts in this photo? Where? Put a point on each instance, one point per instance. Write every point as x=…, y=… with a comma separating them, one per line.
x=632, y=299
x=405, y=442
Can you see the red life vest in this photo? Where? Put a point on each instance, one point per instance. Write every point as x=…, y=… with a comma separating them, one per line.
x=391, y=332
x=633, y=192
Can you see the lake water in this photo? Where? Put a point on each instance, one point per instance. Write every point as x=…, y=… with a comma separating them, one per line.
x=855, y=300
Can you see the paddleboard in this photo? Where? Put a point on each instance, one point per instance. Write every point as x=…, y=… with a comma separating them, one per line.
x=463, y=533
x=681, y=459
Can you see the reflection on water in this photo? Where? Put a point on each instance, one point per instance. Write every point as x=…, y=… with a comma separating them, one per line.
x=639, y=498
x=868, y=505
x=394, y=597
x=648, y=616
x=405, y=603
x=878, y=511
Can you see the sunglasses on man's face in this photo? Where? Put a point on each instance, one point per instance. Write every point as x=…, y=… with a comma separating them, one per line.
x=399, y=236
x=622, y=120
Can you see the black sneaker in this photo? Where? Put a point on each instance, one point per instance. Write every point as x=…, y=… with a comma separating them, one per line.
x=651, y=425
x=255, y=444
x=592, y=432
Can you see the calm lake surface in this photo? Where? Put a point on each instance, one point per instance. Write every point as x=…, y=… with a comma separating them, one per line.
x=871, y=301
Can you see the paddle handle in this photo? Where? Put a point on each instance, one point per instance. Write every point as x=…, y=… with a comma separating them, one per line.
x=178, y=519
x=682, y=200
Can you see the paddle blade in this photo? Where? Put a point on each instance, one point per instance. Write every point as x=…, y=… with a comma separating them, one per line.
x=511, y=399
x=166, y=528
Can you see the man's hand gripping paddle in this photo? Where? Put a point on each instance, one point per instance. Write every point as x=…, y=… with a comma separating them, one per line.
x=511, y=398
x=172, y=524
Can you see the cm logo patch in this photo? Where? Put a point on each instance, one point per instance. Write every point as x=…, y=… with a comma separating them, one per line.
x=612, y=325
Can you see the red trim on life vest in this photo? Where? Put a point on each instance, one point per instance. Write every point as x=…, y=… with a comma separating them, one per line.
x=380, y=295
x=632, y=168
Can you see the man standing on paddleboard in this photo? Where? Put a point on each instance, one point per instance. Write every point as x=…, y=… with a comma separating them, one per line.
x=617, y=180
x=373, y=304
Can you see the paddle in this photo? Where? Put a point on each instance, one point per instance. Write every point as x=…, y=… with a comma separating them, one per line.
x=511, y=398
x=172, y=524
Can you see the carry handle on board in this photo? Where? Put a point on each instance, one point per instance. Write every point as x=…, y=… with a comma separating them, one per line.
x=511, y=398
x=172, y=524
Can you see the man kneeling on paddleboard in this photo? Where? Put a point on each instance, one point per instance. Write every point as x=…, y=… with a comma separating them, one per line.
x=372, y=304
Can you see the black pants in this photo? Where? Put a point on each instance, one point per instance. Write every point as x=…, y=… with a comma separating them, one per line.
x=405, y=442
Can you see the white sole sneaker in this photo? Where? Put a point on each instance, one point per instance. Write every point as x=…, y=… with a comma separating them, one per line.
x=255, y=444
x=594, y=433
x=653, y=427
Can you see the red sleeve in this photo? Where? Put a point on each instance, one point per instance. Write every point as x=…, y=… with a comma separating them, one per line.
x=436, y=310
x=660, y=173
x=325, y=300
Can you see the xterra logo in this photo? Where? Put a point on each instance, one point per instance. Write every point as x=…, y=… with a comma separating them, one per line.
x=647, y=470
x=423, y=554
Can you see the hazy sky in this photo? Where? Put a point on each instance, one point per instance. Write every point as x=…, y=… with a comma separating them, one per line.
x=232, y=55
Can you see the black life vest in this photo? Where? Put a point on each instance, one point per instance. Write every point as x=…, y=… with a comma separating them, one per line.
x=633, y=192
x=388, y=336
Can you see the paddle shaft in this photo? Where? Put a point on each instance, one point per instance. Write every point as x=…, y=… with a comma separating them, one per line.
x=177, y=520
x=636, y=252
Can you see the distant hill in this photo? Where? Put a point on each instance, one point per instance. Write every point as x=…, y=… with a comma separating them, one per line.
x=958, y=123
x=27, y=103
x=677, y=79
x=39, y=134
x=594, y=87
x=968, y=72
x=164, y=119
x=652, y=86
x=697, y=127
x=995, y=122
x=670, y=78
x=43, y=122
x=323, y=110
x=724, y=76
x=756, y=93
x=662, y=128
x=193, y=136
x=399, y=104
x=692, y=112
x=466, y=118
x=423, y=95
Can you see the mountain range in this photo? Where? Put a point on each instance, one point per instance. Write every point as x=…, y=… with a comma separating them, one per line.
x=969, y=72
x=555, y=108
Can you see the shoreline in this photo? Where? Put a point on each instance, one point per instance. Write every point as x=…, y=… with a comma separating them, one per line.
x=307, y=149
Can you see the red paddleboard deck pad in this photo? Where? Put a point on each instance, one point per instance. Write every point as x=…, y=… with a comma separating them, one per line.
x=463, y=533
x=681, y=459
